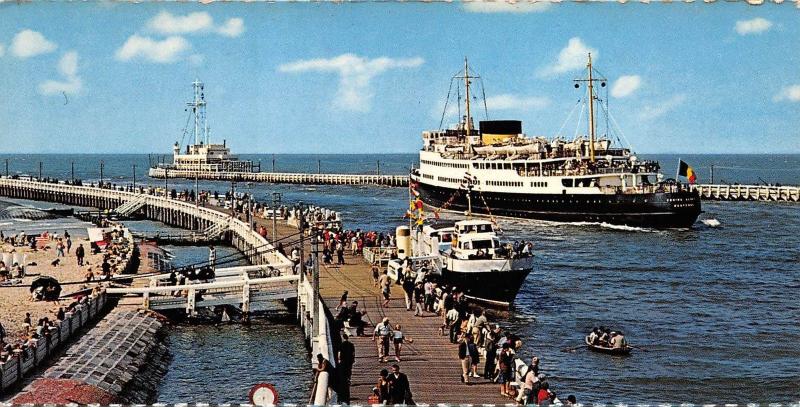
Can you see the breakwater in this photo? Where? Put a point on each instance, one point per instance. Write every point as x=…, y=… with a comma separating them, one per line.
x=39, y=351
x=748, y=192
x=121, y=360
x=285, y=177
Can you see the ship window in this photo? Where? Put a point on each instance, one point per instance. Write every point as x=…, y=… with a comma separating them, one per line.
x=567, y=182
x=481, y=244
x=507, y=166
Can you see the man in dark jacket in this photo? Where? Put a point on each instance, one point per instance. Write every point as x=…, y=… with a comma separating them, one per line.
x=400, y=388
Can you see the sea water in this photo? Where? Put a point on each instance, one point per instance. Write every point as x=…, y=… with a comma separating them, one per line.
x=714, y=308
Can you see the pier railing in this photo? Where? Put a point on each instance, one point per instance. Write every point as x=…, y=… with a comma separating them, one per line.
x=748, y=192
x=171, y=211
x=321, y=342
x=285, y=177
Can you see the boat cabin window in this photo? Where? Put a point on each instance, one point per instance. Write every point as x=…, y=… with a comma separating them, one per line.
x=567, y=182
x=586, y=182
x=481, y=244
x=480, y=228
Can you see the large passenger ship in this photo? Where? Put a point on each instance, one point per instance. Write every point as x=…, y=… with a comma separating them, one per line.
x=202, y=156
x=586, y=179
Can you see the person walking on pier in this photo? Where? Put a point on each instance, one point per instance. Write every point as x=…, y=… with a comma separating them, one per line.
x=385, y=283
x=464, y=356
x=345, y=359
x=400, y=388
x=383, y=333
x=339, y=253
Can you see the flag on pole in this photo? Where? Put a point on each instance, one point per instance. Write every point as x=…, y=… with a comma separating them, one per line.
x=687, y=171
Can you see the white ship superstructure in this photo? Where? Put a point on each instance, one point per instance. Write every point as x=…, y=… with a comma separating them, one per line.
x=507, y=173
x=204, y=156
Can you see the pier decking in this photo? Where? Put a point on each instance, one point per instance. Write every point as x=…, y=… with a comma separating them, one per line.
x=431, y=361
x=286, y=177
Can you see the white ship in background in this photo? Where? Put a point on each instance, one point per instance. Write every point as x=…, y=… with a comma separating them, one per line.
x=202, y=156
x=586, y=179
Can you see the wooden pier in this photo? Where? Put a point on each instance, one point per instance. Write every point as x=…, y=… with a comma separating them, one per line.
x=718, y=192
x=431, y=361
x=285, y=177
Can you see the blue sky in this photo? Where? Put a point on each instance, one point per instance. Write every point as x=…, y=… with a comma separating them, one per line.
x=370, y=77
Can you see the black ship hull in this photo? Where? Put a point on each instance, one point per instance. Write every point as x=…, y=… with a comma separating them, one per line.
x=497, y=288
x=660, y=210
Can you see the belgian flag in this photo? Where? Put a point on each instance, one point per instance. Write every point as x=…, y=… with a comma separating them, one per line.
x=687, y=171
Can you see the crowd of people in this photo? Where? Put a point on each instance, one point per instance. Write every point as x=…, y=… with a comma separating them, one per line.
x=43, y=328
x=605, y=337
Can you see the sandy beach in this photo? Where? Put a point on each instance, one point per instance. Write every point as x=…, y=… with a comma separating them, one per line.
x=16, y=301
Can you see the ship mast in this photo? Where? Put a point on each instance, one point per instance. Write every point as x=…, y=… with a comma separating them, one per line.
x=592, y=126
x=591, y=110
x=198, y=105
x=466, y=84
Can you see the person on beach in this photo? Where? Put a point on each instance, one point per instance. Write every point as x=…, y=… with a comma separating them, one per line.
x=381, y=336
x=79, y=253
x=68, y=242
x=453, y=324
x=59, y=248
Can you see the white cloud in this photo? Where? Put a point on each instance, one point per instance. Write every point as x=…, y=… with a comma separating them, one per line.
x=68, y=65
x=168, y=24
x=147, y=49
x=514, y=102
x=571, y=58
x=234, y=27
x=754, y=26
x=789, y=93
x=503, y=6
x=29, y=43
x=355, y=75
x=654, y=111
x=71, y=83
x=193, y=23
x=626, y=85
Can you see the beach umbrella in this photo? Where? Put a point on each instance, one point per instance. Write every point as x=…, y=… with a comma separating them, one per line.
x=50, y=286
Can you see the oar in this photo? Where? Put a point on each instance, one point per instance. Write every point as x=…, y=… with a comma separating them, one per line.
x=572, y=349
x=638, y=348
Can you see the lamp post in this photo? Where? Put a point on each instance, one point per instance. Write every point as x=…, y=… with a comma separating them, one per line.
x=102, y=164
x=72, y=171
x=134, y=177
x=276, y=199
